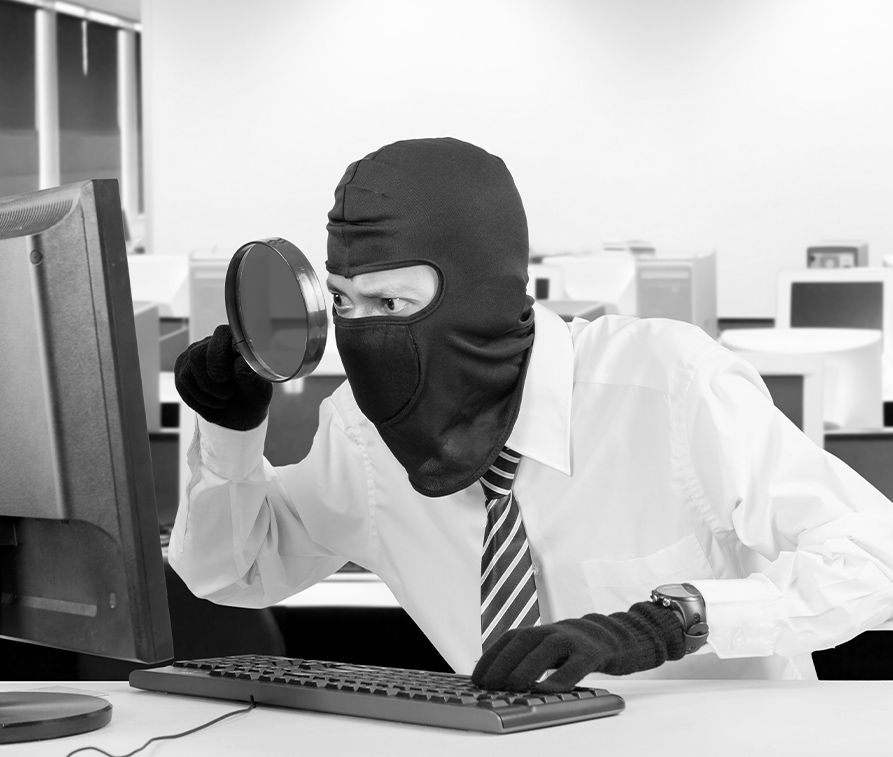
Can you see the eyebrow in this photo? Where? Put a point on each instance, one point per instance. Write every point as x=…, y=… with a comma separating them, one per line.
x=399, y=288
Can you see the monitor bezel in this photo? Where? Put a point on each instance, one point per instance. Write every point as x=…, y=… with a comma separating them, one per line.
x=884, y=276
x=45, y=222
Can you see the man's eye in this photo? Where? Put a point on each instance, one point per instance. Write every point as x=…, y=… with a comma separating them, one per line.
x=393, y=304
x=340, y=302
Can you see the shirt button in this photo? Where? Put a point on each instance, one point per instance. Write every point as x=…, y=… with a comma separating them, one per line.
x=738, y=640
x=536, y=569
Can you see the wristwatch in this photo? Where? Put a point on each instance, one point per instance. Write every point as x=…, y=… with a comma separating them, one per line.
x=688, y=604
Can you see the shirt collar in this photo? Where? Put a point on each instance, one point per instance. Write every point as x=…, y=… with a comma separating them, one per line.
x=542, y=429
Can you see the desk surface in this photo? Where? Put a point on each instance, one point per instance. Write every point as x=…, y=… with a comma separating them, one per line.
x=348, y=589
x=712, y=718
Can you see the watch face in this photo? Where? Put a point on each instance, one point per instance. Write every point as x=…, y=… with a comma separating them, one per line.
x=679, y=591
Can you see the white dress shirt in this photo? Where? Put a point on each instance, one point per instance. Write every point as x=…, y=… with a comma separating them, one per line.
x=650, y=455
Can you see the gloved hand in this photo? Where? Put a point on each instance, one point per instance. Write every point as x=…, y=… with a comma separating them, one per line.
x=213, y=379
x=624, y=642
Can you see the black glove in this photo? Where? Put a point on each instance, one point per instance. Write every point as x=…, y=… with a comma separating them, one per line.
x=623, y=642
x=213, y=378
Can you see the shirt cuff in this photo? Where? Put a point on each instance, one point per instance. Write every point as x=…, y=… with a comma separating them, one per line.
x=229, y=453
x=742, y=615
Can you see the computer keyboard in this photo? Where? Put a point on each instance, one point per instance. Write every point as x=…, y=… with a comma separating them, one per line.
x=409, y=696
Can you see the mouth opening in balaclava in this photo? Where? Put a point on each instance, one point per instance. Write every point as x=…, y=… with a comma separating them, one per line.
x=443, y=386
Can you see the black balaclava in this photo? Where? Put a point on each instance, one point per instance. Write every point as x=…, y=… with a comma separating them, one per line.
x=442, y=386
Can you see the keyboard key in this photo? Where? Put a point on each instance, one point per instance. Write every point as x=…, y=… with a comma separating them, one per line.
x=528, y=700
x=493, y=703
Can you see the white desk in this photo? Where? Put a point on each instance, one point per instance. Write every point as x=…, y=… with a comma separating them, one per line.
x=710, y=718
x=347, y=589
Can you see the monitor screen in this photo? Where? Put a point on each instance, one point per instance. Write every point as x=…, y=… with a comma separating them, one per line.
x=787, y=394
x=837, y=304
x=796, y=382
x=81, y=567
x=868, y=453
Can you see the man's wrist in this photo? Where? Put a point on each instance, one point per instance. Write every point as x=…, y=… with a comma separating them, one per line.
x=689, y=607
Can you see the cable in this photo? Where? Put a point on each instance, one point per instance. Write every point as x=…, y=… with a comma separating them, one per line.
x=171, y=736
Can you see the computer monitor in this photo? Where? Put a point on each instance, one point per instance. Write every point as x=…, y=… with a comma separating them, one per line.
x=868, y=452
x=148, y=341
x=637, y=247
x=207, y=301
x=608, y=277
x=678, y=286
x=545, y=281
x=162, y=279
x=851, y=360
x=571, y=309
x=81, y=567
x=796, y=383
x=854, y=298
x=837, y=253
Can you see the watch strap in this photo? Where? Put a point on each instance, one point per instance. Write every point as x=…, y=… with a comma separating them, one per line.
x=695, y=637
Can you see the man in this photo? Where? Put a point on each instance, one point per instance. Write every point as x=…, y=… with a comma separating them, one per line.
x=648, y=458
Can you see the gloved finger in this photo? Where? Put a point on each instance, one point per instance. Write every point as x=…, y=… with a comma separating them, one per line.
x=490, y=654
x=552, y=651
x=505, y=654
x=566, y=676
x=195, y=395
x=250, y=383
x=483, y=671
x=221, y=354
x=197, y=371
x=191, y=379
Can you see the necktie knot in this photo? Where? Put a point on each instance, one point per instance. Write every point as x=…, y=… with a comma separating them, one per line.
x=497, y=481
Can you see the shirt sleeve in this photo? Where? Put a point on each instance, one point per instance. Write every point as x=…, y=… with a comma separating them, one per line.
x=820, y=535
x=239, y=537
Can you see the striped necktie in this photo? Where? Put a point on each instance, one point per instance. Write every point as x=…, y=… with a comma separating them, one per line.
x=508, y=590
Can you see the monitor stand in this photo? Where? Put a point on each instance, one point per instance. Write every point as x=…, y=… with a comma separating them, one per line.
x=38, y=715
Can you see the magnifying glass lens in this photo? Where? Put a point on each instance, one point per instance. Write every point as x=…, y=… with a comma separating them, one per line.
x=276, y=309
x=273, y=313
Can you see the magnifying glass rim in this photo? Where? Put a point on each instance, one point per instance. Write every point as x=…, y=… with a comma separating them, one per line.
x=314, y=303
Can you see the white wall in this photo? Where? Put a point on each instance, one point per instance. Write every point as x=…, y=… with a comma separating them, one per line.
x=754, y=127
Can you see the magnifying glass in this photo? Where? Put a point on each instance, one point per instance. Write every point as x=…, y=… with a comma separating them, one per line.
x=276, y=309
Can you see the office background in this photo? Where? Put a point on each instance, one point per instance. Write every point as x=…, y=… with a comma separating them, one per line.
x=749, y=127
x=753, y=127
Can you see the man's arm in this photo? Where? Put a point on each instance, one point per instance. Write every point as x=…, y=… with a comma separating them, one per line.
x=824, y=533
x=819, y=536
x=238, y=537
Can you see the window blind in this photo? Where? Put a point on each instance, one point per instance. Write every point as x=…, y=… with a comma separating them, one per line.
x=89, y=137
x=18, y=129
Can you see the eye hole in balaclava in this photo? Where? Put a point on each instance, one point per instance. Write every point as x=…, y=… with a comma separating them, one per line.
x=443, y=386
